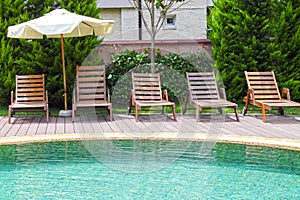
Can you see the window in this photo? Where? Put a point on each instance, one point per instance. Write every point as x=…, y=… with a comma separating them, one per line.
x=170, y=22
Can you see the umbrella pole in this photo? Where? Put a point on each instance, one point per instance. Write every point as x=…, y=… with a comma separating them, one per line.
x=64, y=69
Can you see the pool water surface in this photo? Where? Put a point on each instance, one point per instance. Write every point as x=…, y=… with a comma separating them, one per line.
x=147, y=169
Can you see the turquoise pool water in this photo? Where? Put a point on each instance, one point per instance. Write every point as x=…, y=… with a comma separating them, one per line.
x=66, y=170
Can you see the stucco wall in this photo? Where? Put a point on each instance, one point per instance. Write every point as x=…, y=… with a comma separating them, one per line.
x=115, y=14
x=190, y=23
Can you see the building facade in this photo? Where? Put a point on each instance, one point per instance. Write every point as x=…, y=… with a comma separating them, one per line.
x=186, y=23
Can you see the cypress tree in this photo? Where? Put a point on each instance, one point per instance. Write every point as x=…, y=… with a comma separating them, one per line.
x=287, y=39
x=42, y=55
x=241, y=40
x=11, y=12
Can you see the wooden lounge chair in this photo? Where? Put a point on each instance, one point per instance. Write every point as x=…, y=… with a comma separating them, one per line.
x=263, y=92
x=147, y=92
x=203, y=93
x=30, y=96
x=90, y=90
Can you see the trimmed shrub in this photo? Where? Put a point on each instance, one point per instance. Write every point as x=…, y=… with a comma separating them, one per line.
x=172, y=68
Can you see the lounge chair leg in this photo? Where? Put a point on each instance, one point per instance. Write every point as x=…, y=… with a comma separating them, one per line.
x=130, y=102
x=264, y=118
x=73, y=113
x=9, y=114
x=110, y=113
x=47, y=113
x=184, y=109
x=220, y=110
x=128, y=110
x=136, y=113
x=244, y=112
x=281, y=110
x=236, y=114
x=174, y=112
x=185, y=104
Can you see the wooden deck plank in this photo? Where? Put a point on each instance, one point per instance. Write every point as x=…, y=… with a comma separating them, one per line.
x=103, y=121
x=95, y=124
x=42, y=127
x=86, y=126
x=69, y=126
x=60, y=125
x=25, y=124
x=34, y=125
x=127, y=123
x=51, y=128
x=185, y=124
x=153, y=123
x=115, y=127
x=172, y=126
x=283, y=127
x=14, y=129
x=3, y=122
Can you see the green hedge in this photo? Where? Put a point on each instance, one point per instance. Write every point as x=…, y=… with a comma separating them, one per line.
x=255, y=35
x=172, y=68
x=19, y=56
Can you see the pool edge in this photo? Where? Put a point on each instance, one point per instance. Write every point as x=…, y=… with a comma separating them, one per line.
x=250, y=140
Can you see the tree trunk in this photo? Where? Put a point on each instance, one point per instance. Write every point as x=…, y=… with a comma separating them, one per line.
x=152, y=53
x=153, y=38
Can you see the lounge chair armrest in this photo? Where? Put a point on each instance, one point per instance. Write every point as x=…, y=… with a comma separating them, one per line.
x=11, y=96
x=165, y=95
x=250, y=94
x=222, y=93
x=286, y=93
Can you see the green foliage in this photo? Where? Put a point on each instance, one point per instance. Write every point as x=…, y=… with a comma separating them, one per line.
x=118, y=78
x=164, y=4
x=287, y=38
x=10, y=13
x=122, y=63
x=19, y=56
x=172, y=68
x=248, y=35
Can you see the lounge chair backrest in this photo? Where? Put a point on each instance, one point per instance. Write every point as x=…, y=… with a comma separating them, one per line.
x=146, y=87
x=90, y=83
x=30, y=88
x=202, y=86
x=263, y=84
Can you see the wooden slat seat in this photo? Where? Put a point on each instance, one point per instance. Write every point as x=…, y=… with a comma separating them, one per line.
x=90, y=90
x=203, y=93
x=263, y=92
x=30, y=96
x=147, y=92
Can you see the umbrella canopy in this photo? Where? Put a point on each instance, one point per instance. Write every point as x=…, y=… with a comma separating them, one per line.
x=61, y=23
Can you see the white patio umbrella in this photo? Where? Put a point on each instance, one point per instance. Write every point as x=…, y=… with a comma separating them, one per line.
x=61, y=23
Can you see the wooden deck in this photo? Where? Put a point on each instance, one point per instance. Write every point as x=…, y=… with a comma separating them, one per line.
x=250, y=126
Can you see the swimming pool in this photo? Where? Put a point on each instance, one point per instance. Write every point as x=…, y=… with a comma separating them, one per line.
x=67, y=170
